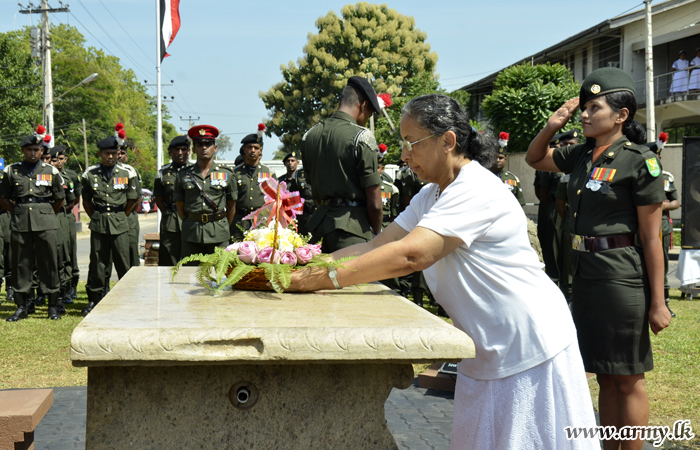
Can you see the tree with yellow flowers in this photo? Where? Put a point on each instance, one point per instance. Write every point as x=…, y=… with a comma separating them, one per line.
x=367, y=39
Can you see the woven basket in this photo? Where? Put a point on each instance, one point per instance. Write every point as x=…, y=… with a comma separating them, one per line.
x=255, y=280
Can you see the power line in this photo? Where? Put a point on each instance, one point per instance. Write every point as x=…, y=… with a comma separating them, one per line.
x=125, y=32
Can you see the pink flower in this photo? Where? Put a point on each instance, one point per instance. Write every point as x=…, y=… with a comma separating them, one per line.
x=233, y=247
x=315, y=249
x=248, y=252
x=288, y=258
x=265, y=255
x=304, y=255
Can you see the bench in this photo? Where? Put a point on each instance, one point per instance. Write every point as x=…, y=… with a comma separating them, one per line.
x=20, y=413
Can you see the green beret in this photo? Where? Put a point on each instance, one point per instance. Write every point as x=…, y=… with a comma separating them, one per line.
x=604, y=81
x=569, y=135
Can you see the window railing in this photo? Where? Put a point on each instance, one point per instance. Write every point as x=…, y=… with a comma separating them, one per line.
x=678, y=82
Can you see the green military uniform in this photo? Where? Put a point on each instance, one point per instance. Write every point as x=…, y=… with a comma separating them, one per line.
x=299, y=183
x=513, y=184
x=133, y=218
x=35, y=228
x=73, y=180
x=340, y=159
x=386, y=177
x=547, y=233
x=667, y=223
x=611, y=296
x=170, y=251
x=390, y=202
x=64, y=254
x=286, y=178
x=109, y=189
x=4, y=239
x=204, y=227
x=564, y=232
x=249, y=195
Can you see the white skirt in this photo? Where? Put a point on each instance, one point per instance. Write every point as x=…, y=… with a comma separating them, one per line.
x=528, y=410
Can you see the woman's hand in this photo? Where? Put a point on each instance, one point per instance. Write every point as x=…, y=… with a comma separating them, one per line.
x=310, y=279
x=659, y=317
x=562, y=115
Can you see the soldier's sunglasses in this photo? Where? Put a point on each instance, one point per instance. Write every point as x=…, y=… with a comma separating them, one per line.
x=409, y=145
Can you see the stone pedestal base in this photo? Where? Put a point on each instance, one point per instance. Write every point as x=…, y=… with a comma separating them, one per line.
x=305, y=406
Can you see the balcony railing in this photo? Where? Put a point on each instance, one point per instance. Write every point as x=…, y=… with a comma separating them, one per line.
x=679, y=82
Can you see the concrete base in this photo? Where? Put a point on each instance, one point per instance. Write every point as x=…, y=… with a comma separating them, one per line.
x=309, y=406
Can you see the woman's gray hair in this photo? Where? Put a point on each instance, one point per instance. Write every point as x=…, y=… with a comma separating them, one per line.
x=439, y=114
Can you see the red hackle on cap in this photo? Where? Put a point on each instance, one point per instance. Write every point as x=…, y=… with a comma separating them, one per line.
x=119, y=126
x=47, y=138
x=385, y=100
x=663, y=137
x=503, y=136
x=261, y=128
x=40, y=130
x=121, y=134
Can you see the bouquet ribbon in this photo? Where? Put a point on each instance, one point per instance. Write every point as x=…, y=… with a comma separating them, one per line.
x=290, y=204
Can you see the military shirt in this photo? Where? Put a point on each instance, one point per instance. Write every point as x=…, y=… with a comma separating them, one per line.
x=250, y=197
x=671, y=195
x=603, y=200
x=108, y=188
x=43, y=180
x=513, y=183
x=164, y=186
x=411, y=184
x=286, y=178
x=73, y=180
x=340, y=160
x=219, y=186
x=390, y=202
x=386, y=177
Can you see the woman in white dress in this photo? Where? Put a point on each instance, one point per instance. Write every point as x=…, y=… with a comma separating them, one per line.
x=680, y=77
x=468, y=234
x=694, y=83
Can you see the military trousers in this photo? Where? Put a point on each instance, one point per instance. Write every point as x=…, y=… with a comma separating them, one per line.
x=35, y=250
x=75, y=271
x=338, y=239
x=237, y=223
x=103, y=249
x=65, y=265
x=170, y=250
x=4, y=242
x=666, y=241
x=134, y=230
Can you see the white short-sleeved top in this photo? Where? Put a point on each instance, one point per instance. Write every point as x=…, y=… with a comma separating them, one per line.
x=492, y=286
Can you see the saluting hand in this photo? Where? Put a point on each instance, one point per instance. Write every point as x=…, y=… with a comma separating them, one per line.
x=562, y=115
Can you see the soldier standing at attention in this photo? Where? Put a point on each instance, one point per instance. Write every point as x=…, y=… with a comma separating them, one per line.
x=164, y=193
x=671, y=203
x=109, y=193
x=33, y=193
x=5, y=239
x=205, y=196
x=508, y=178
x=65, y=266
x=300, y=184
x=134, y=227
x=340, y=158
x=249, y=175
x=389, y=194
x=73, y=181
x=291, y=163
x=380, y=167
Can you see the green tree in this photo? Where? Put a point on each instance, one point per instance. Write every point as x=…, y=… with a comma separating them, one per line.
x=524, y=97
x=20, y=95
x=367, y=39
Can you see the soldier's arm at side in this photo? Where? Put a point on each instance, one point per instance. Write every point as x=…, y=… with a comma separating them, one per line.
x=59, y=194
x=7, y=204
x=374, y=208
x=670, y=205
x=181, y=209
x=133, y=194
x=230, y=210
x=131, y=205
x=5, y=193
x=160, y=204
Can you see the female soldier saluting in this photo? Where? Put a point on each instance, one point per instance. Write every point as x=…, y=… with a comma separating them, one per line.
x=618, y=287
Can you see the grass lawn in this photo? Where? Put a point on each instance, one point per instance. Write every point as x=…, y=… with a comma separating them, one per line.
x=36, y=353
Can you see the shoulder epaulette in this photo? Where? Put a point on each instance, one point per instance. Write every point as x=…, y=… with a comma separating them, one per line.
x=165, y=167
x=365, y=137
x=94, y=166
x=307, y=133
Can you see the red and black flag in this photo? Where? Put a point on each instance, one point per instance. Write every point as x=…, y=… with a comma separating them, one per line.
x=169, y=24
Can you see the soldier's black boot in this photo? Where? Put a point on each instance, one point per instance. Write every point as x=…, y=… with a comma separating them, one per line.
x=21, y=312
x=10, y=294
x=53, y=307
x=93, y=300
x=73, y=291
x=30, y=305
x=67, y=299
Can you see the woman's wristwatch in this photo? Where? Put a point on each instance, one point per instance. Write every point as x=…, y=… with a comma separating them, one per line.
x=333, y=275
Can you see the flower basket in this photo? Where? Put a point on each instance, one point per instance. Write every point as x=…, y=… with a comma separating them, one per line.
x=255, y=280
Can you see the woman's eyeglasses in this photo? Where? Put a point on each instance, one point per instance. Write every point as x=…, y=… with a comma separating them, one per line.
x=409, y=145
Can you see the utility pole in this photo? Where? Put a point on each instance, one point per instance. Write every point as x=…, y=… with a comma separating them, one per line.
x=190, y=123
x=651, y=101
x=45, y=43
x=85, y=145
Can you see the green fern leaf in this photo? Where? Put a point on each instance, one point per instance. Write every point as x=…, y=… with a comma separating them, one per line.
x=236, y=275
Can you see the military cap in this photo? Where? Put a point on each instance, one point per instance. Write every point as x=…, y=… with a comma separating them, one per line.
x=363, y=86
x=58, y=150
x=179, y=141
x=290, y=155
x=252, y=138
x=653, y=147
x=108, y=143
x=569, y=135
x=681, y=52
x=555, y=139
x=203, y=133
x=605, y=81
x=30, y=140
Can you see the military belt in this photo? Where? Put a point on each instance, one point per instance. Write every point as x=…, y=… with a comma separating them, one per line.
x=387, y=218
x=596, y=244
x=343, y=202
x=206, y=218
x=30, y=199
x=109, y=208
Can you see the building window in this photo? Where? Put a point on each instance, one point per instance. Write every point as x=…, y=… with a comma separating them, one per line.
x=584, y=63
x=572, y=65
x=677, y=132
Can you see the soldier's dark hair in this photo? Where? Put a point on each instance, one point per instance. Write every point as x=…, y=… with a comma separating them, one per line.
x=350, y=96
x=632, y=129
x=439, y=114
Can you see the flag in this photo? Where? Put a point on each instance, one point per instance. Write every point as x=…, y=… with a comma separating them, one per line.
x=169, y=24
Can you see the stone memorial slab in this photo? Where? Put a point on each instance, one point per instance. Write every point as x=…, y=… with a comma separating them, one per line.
x=171, y=366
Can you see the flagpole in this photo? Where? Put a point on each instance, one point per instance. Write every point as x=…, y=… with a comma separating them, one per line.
x=159, y=126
